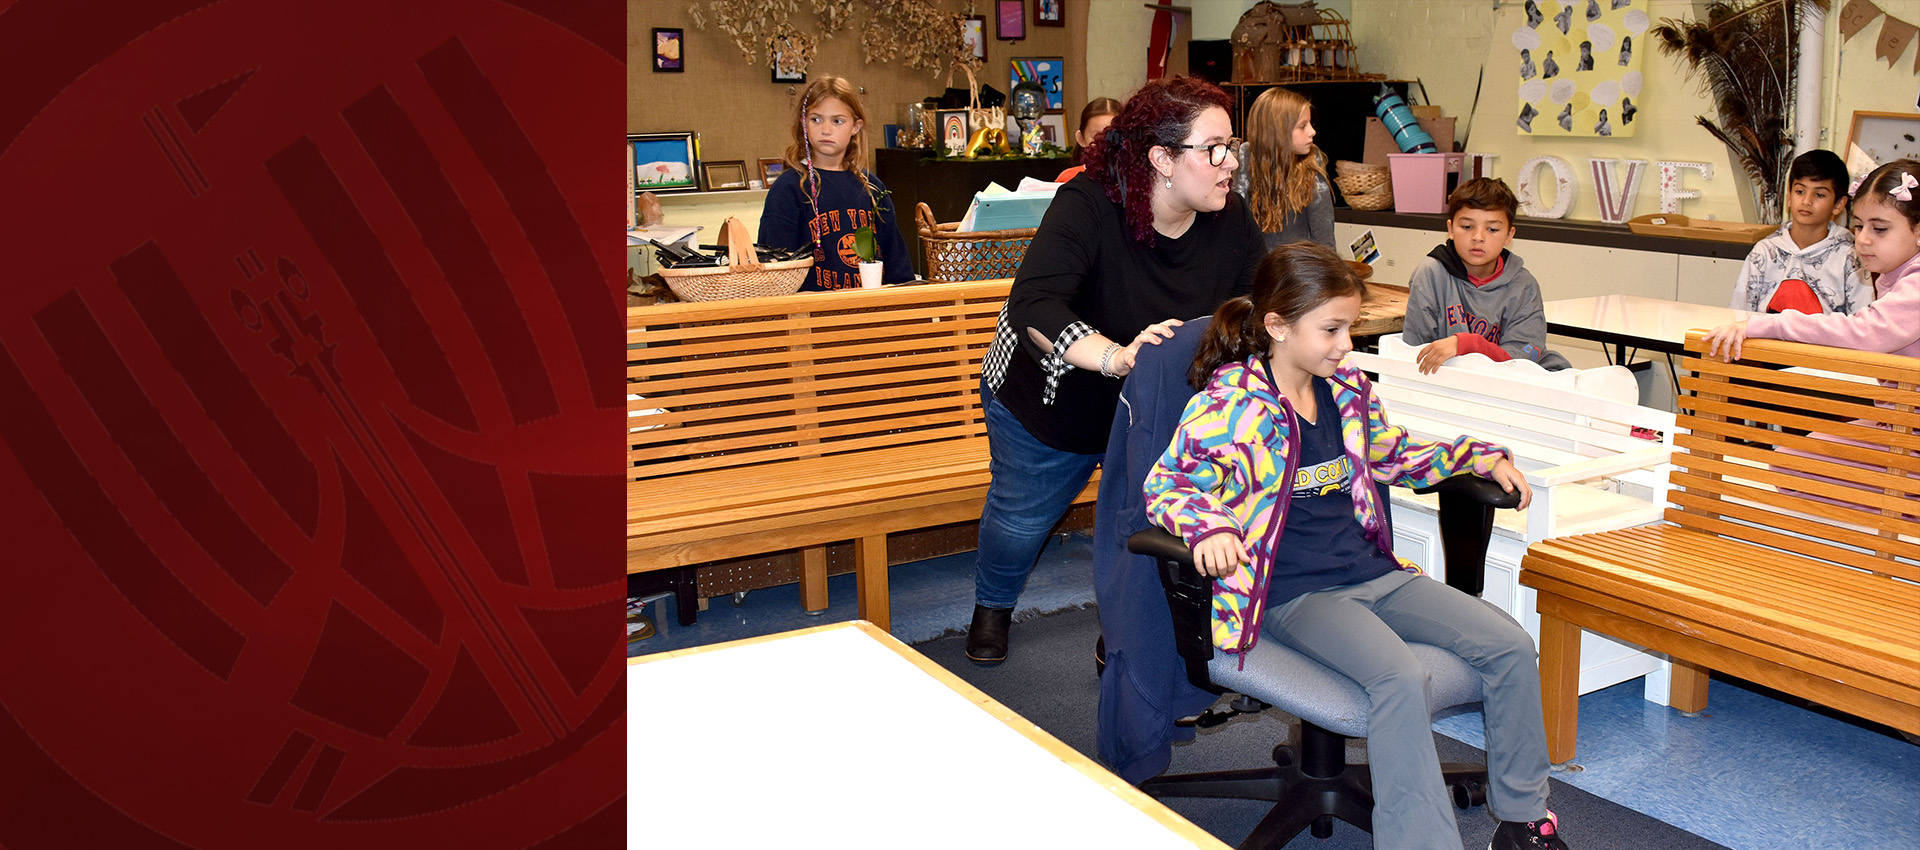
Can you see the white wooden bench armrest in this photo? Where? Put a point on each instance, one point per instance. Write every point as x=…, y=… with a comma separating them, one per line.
x=1554, y=476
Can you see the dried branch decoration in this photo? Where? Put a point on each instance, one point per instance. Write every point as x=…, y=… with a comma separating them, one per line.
x=916, y=33
x=913, y=32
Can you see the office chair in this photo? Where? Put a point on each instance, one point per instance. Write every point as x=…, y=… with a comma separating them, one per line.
x=1311, y=782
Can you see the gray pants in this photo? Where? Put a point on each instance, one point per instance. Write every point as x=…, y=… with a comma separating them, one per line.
x=1362, y=630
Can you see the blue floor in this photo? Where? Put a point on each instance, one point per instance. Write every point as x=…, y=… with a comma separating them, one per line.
x=1751, y=772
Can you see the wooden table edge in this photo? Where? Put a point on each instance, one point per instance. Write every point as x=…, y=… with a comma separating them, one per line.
x=1107, y=779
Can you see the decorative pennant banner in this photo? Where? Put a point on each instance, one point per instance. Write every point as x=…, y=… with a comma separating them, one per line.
x=1895, y=35
x=1855, y=16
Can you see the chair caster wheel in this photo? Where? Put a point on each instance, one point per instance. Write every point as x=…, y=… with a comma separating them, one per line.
x=1283, y=755
x=1466, y=795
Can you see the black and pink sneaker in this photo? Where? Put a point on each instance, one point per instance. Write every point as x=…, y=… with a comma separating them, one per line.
x=1543, y=834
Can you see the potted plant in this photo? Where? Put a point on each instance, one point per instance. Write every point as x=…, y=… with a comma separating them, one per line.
x=872, y=270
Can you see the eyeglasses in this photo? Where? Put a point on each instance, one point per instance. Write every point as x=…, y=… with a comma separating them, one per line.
x=1216, y=152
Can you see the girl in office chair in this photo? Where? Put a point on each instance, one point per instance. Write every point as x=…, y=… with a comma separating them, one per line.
x=1266, y=453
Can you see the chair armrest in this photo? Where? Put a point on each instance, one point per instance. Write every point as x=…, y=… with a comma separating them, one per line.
x=1160, y=545
x=1483, y=491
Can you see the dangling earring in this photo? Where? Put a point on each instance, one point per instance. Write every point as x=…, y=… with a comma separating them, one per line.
x=1169, y=182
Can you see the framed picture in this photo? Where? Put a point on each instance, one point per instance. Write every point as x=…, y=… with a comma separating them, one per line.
x=1053, y=130
x=1884, y=136
x=667, y=50
x=1011, y=21
x=771, y=167
x=973, y=31
x=724, y=175
x=1050, y=13
x=954, y=130
x=665, y=162
x=1044, y=72
x=783, y=71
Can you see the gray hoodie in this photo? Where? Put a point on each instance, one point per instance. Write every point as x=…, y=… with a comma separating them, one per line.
x=1506, y=311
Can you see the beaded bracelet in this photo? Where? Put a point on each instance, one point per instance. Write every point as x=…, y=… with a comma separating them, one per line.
x=1106, y=359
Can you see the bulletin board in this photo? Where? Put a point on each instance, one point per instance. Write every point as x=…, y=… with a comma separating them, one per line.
x=1579, y=70
x=1885, y=136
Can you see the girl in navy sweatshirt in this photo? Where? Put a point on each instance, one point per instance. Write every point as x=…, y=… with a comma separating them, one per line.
x=825, y=195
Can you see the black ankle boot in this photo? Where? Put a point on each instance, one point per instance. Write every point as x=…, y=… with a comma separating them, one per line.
x=987, y=637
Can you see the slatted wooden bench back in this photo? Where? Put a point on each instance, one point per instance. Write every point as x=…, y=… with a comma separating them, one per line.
x=730, y=384
x=1734, y=480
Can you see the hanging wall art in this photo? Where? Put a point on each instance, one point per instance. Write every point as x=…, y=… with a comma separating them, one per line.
x=1579, y=70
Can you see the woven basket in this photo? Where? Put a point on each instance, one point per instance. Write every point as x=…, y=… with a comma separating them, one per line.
x=1370, y=201
x=1361, y=184
x=976, y=255
x=743, y=276
x=1347, y=167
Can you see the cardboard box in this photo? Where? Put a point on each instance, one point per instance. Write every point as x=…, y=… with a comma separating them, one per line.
x=1379, y=142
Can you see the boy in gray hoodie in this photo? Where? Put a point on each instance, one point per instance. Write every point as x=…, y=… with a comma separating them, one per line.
x=1473, y=296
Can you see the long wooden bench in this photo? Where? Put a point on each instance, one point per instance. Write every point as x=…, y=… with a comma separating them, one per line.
x=1807, y=586
x=769, y=424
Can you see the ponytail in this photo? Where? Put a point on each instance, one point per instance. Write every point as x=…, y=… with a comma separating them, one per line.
x=1235, y=334
x=1291, y=281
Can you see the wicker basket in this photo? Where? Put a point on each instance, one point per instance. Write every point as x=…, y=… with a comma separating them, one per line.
x=1347, y=167
x=1370, y=201
x=1361, y=184
x=743, y=276
x=977, y=255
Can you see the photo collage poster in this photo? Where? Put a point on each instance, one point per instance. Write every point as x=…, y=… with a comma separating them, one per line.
x=1580, y=66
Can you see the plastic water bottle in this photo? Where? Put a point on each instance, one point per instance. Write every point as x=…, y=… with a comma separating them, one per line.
x=1399, y=121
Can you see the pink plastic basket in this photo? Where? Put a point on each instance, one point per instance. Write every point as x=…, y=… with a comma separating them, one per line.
x=1419, y=182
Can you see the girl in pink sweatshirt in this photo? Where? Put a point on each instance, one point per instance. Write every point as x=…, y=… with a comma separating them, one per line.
x=1887, y=205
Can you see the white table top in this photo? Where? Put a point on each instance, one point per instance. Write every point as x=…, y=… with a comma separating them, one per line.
x=1648, y=322
x=841, y=736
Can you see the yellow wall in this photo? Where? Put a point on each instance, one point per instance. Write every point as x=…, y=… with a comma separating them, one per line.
x=1855, y=80
x=1428, y=39
x=741, y=114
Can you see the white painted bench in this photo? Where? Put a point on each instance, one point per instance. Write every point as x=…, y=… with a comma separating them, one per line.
x=1596, y=461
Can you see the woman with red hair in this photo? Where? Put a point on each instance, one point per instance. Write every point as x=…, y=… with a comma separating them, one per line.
x=1153, y=236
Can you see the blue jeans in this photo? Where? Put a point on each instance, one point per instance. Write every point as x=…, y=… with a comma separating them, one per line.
x=1032, y=487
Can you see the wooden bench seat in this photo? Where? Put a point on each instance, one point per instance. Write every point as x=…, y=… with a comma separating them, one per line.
x=764, y=425
x=1807, y=586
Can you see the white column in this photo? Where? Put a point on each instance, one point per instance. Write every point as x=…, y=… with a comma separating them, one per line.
x=1806, y=96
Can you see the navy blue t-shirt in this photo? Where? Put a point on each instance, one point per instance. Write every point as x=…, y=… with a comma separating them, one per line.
x=790, y=219
x=1323, y=544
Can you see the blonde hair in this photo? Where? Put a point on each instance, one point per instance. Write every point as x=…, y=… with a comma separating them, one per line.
x=1280, y=183
x=799, y=155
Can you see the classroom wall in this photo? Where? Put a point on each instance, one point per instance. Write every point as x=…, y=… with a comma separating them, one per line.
x=1855, y=80
x=1424, y=40
x=741, y=114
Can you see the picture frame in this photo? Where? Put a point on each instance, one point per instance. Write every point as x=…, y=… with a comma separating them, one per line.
x=954, y=128
x=1053, y=130
x=779, y=76
x=771, y=167
x=1010, y=20
x=1050, y=13
x=669, y=50
x=973, y=32
x=725, y=175
x=1884, y=136
x=665, y=162
x=1046, y=72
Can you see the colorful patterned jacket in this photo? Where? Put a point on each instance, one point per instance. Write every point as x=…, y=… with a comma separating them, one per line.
x=1226, y=471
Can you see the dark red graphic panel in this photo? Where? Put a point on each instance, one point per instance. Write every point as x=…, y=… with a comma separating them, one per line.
x=310, y=374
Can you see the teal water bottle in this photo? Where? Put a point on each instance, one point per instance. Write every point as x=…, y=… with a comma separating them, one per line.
x=1399, y=121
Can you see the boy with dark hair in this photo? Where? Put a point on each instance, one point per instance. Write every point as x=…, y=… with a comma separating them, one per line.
x=1808, y=264
x=1473, y=296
